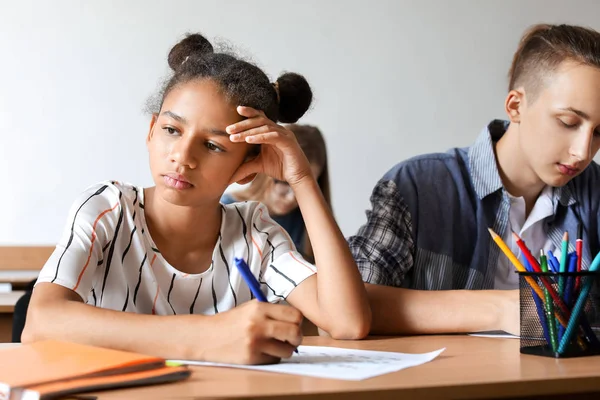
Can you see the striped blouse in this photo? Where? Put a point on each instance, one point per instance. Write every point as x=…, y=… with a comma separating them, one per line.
x=107, y=256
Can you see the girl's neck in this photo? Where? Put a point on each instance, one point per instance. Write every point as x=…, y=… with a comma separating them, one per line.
x=179, y=229
x=517, y=176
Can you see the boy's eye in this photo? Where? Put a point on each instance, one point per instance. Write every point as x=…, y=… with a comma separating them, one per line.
x=566, y=125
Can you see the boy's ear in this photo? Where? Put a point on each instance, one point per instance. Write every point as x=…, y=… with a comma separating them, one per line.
x=151, y=128
x=514, y=103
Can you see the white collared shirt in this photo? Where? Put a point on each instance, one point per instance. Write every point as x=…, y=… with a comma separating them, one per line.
x=531, y=230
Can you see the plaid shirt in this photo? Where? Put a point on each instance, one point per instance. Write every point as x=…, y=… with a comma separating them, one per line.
x=427, y=227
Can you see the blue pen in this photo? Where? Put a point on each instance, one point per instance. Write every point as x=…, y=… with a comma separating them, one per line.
x=553, y=262
x=251, y=281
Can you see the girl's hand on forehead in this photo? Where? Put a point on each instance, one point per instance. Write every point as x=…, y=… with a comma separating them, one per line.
x=280, y=157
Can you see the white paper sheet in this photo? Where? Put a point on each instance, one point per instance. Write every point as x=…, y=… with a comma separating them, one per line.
x=337, y=363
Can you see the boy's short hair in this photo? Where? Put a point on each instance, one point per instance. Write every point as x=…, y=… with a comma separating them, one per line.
x=544, y=47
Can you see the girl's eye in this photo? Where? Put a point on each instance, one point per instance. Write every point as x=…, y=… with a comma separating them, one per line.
x=213, y=147
x=170, y=130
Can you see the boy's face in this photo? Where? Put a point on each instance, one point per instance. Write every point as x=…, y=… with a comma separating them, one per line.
x=191, y=157
x=559, y=131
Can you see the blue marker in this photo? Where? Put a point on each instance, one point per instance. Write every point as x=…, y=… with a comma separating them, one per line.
x=553, y=262
x=251, y=281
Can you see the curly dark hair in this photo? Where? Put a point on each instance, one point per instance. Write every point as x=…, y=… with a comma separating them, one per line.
x=243, y=83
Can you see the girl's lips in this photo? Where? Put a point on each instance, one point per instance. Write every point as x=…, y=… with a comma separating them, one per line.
x=176, y=181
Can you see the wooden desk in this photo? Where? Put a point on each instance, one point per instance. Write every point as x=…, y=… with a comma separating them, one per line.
x=17, y=258
x=470, y=368
x=19, y=265
x=7, y=306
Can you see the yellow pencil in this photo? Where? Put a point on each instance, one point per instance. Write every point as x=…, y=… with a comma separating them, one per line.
x=515, y=261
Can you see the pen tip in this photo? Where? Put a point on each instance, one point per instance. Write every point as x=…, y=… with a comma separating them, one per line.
x=566, y=236
x=516, y=236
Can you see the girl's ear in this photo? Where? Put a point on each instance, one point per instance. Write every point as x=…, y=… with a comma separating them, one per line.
x=514, y=103
x=248, y=170
x=151, y=129
x=246, y=180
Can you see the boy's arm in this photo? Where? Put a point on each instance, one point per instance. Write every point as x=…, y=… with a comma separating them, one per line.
x=384, y=248
x=398, y=311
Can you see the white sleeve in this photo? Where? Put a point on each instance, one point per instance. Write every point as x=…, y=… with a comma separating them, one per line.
x=283, y=268
x=90, y=227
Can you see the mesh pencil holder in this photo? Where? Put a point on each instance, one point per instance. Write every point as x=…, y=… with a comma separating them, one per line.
x=560, y=313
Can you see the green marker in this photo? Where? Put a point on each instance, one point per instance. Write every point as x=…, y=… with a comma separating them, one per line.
x=548, y=305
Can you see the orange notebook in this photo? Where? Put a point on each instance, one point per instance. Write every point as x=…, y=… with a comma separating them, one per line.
x=47, y=369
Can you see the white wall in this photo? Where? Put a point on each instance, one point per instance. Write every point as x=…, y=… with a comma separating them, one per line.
x=392, y=79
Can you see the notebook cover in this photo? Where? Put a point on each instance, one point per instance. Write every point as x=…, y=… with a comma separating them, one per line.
x=80, y=385
x=50, y=360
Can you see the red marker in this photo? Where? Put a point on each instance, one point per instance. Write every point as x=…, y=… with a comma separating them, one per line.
x=579, y=251
x=530, y=258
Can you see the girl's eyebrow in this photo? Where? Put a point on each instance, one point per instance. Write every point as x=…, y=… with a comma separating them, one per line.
x=176, y=117
x=218, y=132
x=179, y=118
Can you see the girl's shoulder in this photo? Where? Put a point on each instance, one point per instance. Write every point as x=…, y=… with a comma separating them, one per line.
x=246, y=209
x=107, y=196
x=253, y=214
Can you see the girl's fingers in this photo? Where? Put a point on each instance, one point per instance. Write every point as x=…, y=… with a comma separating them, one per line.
x=247, y=124
x=249, y=112
x=264, y=138
x=255, y=118
x=276, y=349
x=240, y=137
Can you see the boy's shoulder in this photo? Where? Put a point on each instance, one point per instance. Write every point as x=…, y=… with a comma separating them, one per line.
x=433, y=167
